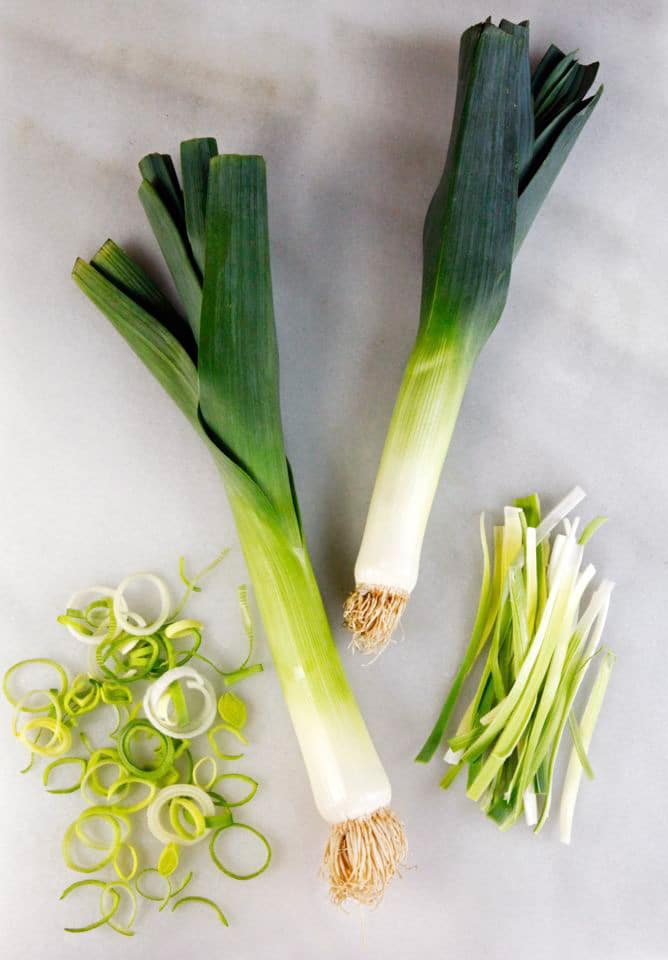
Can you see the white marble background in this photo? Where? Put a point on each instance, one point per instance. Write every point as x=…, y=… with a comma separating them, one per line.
x=350, y=103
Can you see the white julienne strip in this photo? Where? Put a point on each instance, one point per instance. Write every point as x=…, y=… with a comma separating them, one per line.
x=587, y=725
x=531, y=576
x=530, y=807
x=557, y=514
x=512, y=537
x=605, y=591
x=594, y=615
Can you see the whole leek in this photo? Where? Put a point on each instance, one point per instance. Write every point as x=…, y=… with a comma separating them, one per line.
x=221, y=368
x=511, y=135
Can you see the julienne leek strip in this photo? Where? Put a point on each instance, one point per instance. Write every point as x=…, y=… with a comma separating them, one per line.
x=541, y=633
x=226, y=384
x=511, y=135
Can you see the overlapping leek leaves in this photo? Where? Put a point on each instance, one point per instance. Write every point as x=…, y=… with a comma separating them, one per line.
x=170, y=346
x=505, y=154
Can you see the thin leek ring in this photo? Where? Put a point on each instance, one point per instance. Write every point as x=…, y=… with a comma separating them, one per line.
x=223, y=868
x=119, y=603
x=164, y=797
x=166, y=756
x=23, y=663
x=193, y=681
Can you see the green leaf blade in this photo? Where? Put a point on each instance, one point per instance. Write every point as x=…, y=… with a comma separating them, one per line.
x=155, y=346
x=239, y=387
x=176, y=250
x=468, y=237
x=158, y=170
x=195, y=157
x=115, y=264
x=538, y=187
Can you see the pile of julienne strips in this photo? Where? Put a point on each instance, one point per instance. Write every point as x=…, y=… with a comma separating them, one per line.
x=216, y=356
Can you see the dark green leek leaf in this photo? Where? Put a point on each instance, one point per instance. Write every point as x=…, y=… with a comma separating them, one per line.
x=541, y=181
x=163, y=355
x=238, y=354
x=173, y=243
x=524, y=97
x=552, y=56
x=470, y=225
x=151, y=341
x=549, y=91
x=195, y=157
x=115, y=264
x=466, y=266
x=158, y=169
x=570, y=91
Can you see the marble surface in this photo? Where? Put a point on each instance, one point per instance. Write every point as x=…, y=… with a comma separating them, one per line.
x=350, y=103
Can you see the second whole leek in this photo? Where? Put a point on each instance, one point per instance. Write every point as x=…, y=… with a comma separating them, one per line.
x=221, y=368
x=511, y=135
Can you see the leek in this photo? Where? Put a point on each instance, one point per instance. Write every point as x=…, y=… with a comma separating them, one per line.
x=539, y=645
x=220, y=365
x=511, y=135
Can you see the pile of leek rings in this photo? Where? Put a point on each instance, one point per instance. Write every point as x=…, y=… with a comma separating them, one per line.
x=146, y=773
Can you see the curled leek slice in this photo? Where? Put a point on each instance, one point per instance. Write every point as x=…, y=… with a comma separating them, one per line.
x=164, y=753
x=180, y=792
x=128, y=871
x=200, y=779
x=205, y=900
x=116, y=889
x=125, y=622
x=88, y=629
x=235, y=776
x=62, y=762
x=221, y=866
x=105, y=918
x=162, y=708
x=13, y=701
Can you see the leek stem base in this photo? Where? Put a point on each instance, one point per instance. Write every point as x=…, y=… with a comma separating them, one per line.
x=363, y=855
x=372, y=614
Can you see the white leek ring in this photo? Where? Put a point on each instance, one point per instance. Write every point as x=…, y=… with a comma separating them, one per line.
x=75, y=603
x=160, y=718
x=164, y=798
x=124, y=618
